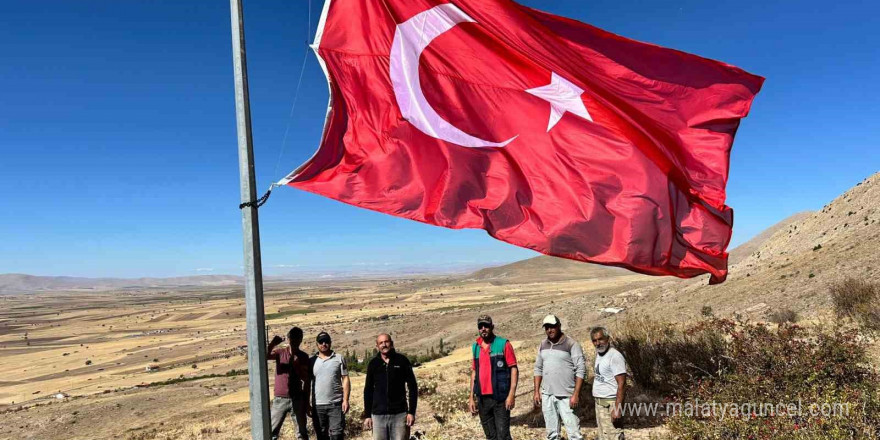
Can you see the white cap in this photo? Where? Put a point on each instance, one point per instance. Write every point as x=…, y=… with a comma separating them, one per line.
x=551, y=319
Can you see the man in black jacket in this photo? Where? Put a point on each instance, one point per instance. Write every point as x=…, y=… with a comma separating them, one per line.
x=390, y=378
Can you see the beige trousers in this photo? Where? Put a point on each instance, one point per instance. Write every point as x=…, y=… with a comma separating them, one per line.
x=606, y=428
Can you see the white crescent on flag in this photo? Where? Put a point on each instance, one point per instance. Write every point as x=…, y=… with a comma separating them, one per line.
x=410, y=39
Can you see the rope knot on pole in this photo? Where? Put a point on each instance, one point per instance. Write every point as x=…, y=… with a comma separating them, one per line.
x=259, y=202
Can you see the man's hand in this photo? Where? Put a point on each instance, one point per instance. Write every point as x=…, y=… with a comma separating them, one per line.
x=345, y=407
x=510, y=403
x=615, y=411
x=573, y=402
x=472, y=406
x=537, y=399
x=368, y=424
x=410, y=419
x=275, y=340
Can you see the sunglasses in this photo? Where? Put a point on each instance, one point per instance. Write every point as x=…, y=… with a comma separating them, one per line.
x=323, y=342
x=482, y=326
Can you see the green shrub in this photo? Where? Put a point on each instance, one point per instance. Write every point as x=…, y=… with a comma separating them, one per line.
x=359, y=364
x=182, y=378
x=286, y=313
x=788, y=364
x=443, y=349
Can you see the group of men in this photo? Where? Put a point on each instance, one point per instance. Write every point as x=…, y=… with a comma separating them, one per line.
x=560, y=369
x=320, y=386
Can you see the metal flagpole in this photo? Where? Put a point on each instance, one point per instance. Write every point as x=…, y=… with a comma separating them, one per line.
x=258, y=380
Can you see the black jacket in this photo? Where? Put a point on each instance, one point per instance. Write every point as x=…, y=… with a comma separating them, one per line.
x=386, y=387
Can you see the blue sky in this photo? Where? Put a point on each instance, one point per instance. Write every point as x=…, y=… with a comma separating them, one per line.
x=118, y=148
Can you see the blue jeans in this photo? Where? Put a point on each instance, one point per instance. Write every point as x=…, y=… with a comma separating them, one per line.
x=556, y=409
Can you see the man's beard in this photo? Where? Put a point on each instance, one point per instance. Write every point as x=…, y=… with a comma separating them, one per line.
x=602, y=350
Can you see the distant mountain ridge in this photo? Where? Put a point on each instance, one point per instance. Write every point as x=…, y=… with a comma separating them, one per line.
x=545, y=268
x=23, y=283
x=12, y=283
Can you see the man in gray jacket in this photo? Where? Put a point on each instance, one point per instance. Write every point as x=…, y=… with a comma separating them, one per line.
x=559, y=375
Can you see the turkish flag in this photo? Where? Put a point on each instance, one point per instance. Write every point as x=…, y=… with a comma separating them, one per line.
x=546, y=132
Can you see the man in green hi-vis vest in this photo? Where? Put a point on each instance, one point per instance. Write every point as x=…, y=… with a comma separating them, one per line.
x=494, y=376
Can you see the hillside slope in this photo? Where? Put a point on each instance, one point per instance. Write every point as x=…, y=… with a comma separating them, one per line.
x=748, y=248
x=794, y=267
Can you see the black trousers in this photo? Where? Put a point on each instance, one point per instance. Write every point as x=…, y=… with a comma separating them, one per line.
x=494, y=418
x=329, y=422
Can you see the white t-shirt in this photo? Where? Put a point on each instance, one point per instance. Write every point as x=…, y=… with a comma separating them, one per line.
x=606, y=368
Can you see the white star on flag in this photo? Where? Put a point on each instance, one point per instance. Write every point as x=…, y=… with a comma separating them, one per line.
x=563, y=96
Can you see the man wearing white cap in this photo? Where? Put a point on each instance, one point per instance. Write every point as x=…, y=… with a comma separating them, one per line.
x=559, y=375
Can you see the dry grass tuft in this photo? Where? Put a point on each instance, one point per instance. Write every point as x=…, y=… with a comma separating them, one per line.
x=858, y=300
x=783, y=316
x=663, y=357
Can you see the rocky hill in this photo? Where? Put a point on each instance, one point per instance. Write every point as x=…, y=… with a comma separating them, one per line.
x=545, y=268
x=744, y=250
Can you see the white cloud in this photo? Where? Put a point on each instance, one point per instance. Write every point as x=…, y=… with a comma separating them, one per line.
x=205, y=269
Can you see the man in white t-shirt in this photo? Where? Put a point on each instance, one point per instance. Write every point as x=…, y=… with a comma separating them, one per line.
x=609, y=384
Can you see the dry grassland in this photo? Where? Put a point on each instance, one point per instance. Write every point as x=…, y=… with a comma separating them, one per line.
x=75, y=365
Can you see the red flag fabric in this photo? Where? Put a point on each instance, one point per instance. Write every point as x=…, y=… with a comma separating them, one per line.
x=548, y=133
